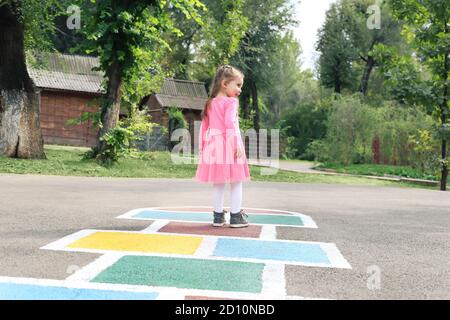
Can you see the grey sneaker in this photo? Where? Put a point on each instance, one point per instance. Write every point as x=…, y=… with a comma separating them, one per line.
x=219, y=219
x=238, y=220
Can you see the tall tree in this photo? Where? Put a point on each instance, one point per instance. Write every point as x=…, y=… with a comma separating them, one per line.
x=282, y=76
x=268, y=20
x=127, y=36
x=369, y=25
x=201, y=48
x=428, y=21
x=22, y=24
x=353, y=28
x=337, y=52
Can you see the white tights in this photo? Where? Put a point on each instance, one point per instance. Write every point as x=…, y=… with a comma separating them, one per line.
x=236, y=196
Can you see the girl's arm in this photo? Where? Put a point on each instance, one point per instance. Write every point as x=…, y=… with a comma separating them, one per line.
x=230, y=114
x=203, y=128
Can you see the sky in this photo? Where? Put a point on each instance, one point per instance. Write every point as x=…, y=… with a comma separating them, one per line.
x=311, y=14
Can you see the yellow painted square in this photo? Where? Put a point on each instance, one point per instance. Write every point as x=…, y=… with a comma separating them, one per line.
x=152, y=243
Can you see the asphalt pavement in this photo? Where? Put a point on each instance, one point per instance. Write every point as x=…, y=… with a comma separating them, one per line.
x=395, y=239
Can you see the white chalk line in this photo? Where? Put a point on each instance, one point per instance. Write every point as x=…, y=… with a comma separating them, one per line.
x=155, y=226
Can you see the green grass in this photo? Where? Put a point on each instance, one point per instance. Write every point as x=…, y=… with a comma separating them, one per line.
x=379, y=170
x=67, y=161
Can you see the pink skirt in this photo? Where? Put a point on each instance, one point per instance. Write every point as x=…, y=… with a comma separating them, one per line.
x=218, y=164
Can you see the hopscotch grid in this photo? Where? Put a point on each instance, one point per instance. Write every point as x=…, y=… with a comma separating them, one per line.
x=273, y=274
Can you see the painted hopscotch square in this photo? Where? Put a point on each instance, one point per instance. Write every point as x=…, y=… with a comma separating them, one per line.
x=275, y=219
x=309, y=253
x=208, y=229
x=180, y=216
x=287, y=220
x=21, y=291
x=185, y=273
x=150, y=243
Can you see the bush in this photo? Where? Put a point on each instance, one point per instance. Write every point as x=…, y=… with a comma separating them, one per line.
x=395, y=127
x=425, y=158
x=119, y=140
x=300, y=126
x=352, y=126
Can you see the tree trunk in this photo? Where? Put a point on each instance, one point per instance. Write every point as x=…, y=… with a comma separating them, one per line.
x=444, y=110
x=337, y=79
x=111, y=103
x=20, y=132
x=370, y=63
x=255, y=106
x=245, y=108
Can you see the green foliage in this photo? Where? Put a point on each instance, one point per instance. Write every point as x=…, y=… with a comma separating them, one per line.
x=176, y=121
x=119, y=140
x=282, y=77
x=301, y=125
x=428, y=27
x=403, y=77
x=346, y=43
x=394, y=127
x=38, y=20
x=319, y=150
x=131, y=33
x=246, y=124
x=352, y=125
x=116, y=142
x=336, y=53
x=94, y=117
x=424, y=152
x=225, y=25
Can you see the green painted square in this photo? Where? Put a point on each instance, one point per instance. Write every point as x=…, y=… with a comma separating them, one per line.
x=185, y=273
x=275, y=219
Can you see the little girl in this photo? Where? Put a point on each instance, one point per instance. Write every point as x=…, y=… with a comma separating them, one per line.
x=222, y=156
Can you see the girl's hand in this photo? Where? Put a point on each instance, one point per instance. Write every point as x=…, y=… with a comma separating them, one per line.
x=239, y=153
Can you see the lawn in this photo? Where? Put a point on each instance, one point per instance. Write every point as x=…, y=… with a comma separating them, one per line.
x=379, y=170
x=67, y=161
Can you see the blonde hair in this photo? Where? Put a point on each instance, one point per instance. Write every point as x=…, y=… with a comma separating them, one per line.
x=225, y=72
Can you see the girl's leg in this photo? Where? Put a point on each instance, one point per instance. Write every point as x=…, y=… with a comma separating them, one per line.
x=236, y=196
x=218, y=193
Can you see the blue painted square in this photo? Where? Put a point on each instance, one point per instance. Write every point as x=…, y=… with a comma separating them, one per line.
x=169, y=215
x=19, y=291
x=270, y=250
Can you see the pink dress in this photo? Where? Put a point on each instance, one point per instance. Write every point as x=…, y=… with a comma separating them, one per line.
x=219, y=137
